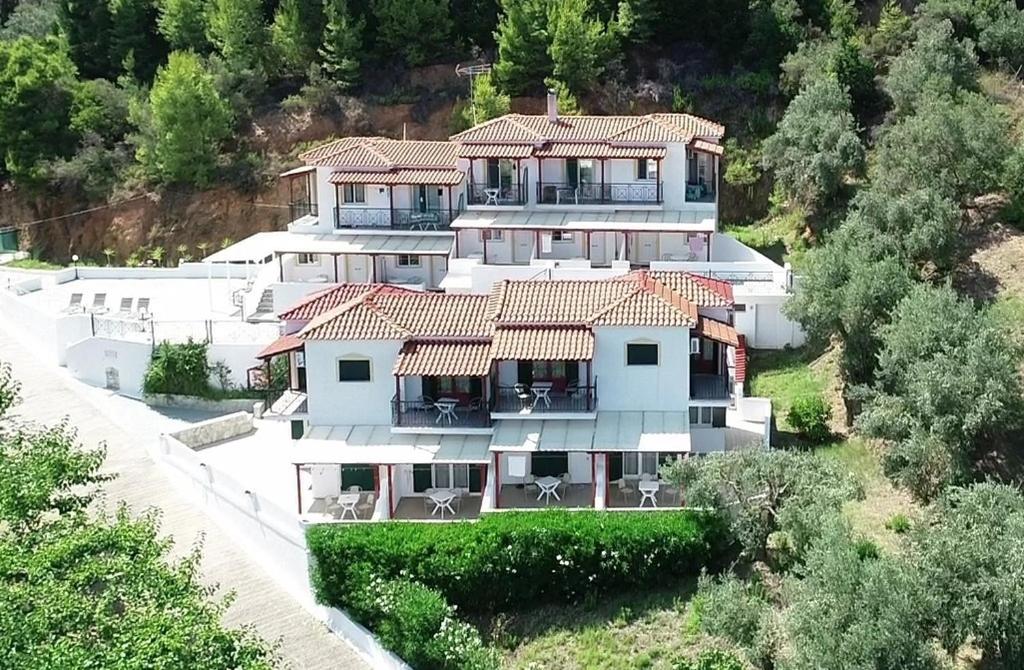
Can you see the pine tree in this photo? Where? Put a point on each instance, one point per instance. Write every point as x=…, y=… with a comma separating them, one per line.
x=414, y=29
x=238, y=31
x=637, y=19
x=523, y=41
x=488, y=102
x=133, y=37
x=183, y=24
x=580, y=44
x=342, y=46
x=86, y=25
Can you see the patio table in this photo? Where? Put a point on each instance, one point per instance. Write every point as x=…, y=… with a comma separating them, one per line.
x=648, y=489
x=442, y=501
x=348, y=503
x=492, y=195
x=446, y=409
x=548, y=487
x=541, y=391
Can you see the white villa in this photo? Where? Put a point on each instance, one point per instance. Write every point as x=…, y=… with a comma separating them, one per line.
x=517, y=197
x=564, y=391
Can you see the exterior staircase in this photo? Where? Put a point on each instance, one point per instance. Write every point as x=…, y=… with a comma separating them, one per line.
x=265, y=307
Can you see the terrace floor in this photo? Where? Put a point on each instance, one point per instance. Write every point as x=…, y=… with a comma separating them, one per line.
x=415, y=508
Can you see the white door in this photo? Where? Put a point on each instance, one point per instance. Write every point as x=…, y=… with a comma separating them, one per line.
x=646, y=248
x=358, y=269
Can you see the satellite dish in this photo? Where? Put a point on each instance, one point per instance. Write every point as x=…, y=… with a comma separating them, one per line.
x=472, y=70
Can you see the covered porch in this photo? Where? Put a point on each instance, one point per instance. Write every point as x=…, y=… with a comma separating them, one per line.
x=543, y=370
x=715, y=348
x=442, y=385
x=402, y=199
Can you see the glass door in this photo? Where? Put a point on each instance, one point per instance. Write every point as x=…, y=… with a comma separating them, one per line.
x=428, y=198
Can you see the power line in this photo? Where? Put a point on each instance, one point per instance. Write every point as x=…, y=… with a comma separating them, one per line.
x=51, y=219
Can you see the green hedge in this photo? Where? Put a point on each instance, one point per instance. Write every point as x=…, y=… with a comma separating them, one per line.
x=515, y=560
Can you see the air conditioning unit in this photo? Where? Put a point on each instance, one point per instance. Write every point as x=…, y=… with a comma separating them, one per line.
x=694, y=345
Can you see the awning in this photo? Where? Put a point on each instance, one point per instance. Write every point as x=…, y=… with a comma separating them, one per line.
x=543, y=344
x=299, y=170
x=591, y=150
x=664, y=221
x=547, y=435
x=642, y=431
x=718, y=331
x=377, y=445
x=444, y=359
x=710, y=147
x=256, y=248
x=401, y=176
x=281, y=345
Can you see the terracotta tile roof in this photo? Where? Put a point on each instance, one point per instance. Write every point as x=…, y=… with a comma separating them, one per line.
x=456, y=359
x=391, y=313
x=382, y=153
x=543, y=344
x=399, y=176
x=280, y=346
x=655, y=128
x=495, y=150
x=584, y=150
x=741, y=359
x=633, y=300
x=718, y=331
x=701, y=291
x=710, y=147
x=317, y=303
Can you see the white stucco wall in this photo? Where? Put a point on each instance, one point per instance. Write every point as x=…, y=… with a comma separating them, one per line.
x=89, y=360
x=664, y=387
x=346, y=403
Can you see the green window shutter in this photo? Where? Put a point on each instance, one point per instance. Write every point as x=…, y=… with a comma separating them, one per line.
x=421, y=477
x=476, y=484
x=359, y=475
x=572, y=172
x=614, y=467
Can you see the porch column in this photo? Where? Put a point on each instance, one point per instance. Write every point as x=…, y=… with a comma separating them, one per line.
x=536, y=244
x=337, y=205
x=334, y=261
x=430, y=271
x=590, y=386
x=280, y=267
x=540, y=179
x=497, y=479
x=398, y=401
x=658, y=185
x=586, y=245
x=483, y=238
x=599, y=467
x=391, y=205
x=373, y=269
x=519, y=181
x=449, y=205
x=602, y=180
x=707, y=248
x=298, y=488
x=607, y=471
x=391, y=491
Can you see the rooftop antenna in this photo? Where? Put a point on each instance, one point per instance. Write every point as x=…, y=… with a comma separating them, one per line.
x=472, y=70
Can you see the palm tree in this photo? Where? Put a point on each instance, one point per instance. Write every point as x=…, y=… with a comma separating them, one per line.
x=156, y=254
x=109, y=253
x=226, y=242
x=203, y=248
x=183, y=255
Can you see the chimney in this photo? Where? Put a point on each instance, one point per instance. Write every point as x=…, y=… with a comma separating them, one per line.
x=552, y=106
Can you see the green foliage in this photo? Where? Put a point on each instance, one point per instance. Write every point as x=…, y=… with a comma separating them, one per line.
x=898, y=523
x=183, y=124
x=10, y=389
x=638, y=19
x=946, y=390
x=732, y=609
x=810, y=416
x=415, y=30
x=969, y=552
x=565, y=101
x=522, y=38
x=841, y=60
x=513, y=560
x=488, y=102
x=891, y=33
x=86, y=24
x=956, y=147
x=183, y=24
x=31, y=18
x=760, y=493
x=854, y=610
x=342, y=46
x=134, y=40
x=712, y=659
x=238, y=30
x=179, y=369
x=581, y=44
x=816, y=145
x=996, y=26
x=100, y=108
x=937, y=65
x=37, y=82
x=416, y=623
x=742, y=164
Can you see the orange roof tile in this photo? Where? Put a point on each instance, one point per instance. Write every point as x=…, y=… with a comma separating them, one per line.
x=381, y=152
x=317, y=303
x=710, y=147
x=390, y=313
x=281, y=345
x=495, y=150
x=587, y=150
x=400, y=176
x=718, y=331
x=656, y=128
x=701, y=291
x=454, y=359
x=543, y=344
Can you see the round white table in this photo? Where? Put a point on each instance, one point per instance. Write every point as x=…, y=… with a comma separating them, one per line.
x=548, y=487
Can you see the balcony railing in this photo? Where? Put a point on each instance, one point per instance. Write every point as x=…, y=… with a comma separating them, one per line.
x=420, y=414
x=709, y=387
x=507, y=194
x=560, y=193
x=297, y=210
x=525, y=400
x=395, y=219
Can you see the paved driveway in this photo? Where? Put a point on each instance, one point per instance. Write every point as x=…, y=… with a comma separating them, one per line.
x=49, y=393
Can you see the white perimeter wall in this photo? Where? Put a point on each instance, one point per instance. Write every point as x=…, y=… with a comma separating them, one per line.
x=664, y=387
x=346, y=403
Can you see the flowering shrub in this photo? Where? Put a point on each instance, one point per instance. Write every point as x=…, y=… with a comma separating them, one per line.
x=513, y=560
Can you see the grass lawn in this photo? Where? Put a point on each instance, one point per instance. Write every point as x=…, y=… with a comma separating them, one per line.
x=627, y=632
x=32, y=264
x=785, y=376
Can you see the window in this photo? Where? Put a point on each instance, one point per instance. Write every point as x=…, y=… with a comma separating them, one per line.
x=641, y=354
x=701, y=416
x=407, y=261
x=561, y=236
x=499, y=173
x=707, y=350
x=739, y=307
x=647, y=168
x=492, y=235
x=308, y=259
x=353, y=193
x=354, y=370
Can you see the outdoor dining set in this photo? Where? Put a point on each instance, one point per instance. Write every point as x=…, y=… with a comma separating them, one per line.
x=439, y=501
x=352, y=502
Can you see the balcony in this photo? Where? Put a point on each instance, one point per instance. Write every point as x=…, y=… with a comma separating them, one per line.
x=524, y=399
x=393, y=219
x=709, y=387
x=700, y=193
x=507, y=195
x=635, y=193
x=420, y=414
x=298, y=210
